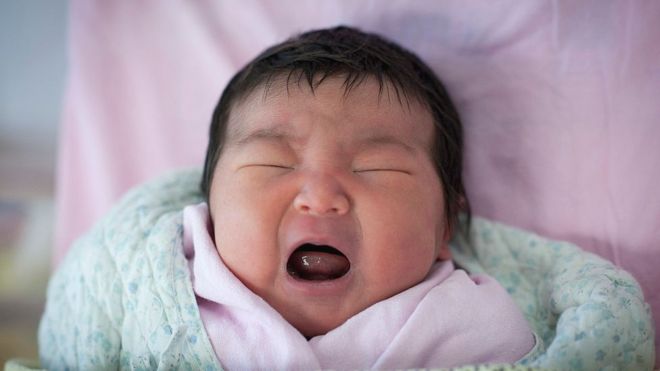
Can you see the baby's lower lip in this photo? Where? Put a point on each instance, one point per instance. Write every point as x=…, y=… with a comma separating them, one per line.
x=318, y=288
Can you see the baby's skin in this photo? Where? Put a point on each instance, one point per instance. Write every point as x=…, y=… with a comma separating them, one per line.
x=325, y=202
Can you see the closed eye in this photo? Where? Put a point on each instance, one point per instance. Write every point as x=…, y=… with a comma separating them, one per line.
x=381, y=170
x=274, y=166
x=277, y=166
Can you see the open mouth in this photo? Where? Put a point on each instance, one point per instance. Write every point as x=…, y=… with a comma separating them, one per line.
x=317, y=263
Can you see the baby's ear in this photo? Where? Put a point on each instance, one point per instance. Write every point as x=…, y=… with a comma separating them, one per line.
x=444, y=252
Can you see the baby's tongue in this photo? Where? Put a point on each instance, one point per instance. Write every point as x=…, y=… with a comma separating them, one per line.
x=317, y=265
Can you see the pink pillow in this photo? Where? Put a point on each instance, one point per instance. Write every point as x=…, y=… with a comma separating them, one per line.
x=559, y=101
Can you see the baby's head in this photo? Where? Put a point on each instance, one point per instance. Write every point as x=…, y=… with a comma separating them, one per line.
x=333, y=175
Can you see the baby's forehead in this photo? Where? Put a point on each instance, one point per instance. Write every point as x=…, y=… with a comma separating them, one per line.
x=348, y=90
x=367, y=110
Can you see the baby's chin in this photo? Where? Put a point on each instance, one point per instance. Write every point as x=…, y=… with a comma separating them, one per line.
x=314, y=319
x=318, y=316
x=311, y=326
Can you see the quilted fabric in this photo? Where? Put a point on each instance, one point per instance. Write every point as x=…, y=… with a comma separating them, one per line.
x=123, y=296
x=589, y=314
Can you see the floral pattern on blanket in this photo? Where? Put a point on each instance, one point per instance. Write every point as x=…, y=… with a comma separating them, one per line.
x=589, y=314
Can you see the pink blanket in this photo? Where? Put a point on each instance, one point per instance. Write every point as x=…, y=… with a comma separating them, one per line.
x=559, y=101
x=448, y=320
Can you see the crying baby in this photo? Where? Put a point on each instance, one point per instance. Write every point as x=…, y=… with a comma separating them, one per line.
x=333, y=186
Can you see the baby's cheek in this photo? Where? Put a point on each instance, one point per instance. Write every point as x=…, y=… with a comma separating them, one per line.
x=248, y=259
x=399, y=263
x=246, y=239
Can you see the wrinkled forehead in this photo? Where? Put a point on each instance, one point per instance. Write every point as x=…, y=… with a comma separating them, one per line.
x=375, y=105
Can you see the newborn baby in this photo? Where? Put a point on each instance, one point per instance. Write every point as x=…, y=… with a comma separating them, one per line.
x=333, y=186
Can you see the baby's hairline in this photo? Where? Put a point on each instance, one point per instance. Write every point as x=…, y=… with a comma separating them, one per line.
x=280, y=82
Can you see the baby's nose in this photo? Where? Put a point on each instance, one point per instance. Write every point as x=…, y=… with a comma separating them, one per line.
x=322, y=195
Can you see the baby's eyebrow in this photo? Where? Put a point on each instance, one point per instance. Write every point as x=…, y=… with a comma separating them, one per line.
x=385, y=140
x=275, y=134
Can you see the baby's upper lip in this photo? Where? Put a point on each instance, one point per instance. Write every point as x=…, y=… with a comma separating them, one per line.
x=319, y=233
x=316, y=240
x=320, y=241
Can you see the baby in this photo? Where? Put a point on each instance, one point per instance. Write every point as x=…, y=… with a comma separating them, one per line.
x=332, y=187
x=333, y=184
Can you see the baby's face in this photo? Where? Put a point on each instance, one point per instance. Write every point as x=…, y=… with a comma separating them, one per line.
x=324, y=203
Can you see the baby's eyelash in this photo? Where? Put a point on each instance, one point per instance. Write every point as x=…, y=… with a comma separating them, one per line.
x=381, y=169
x=275, y=166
